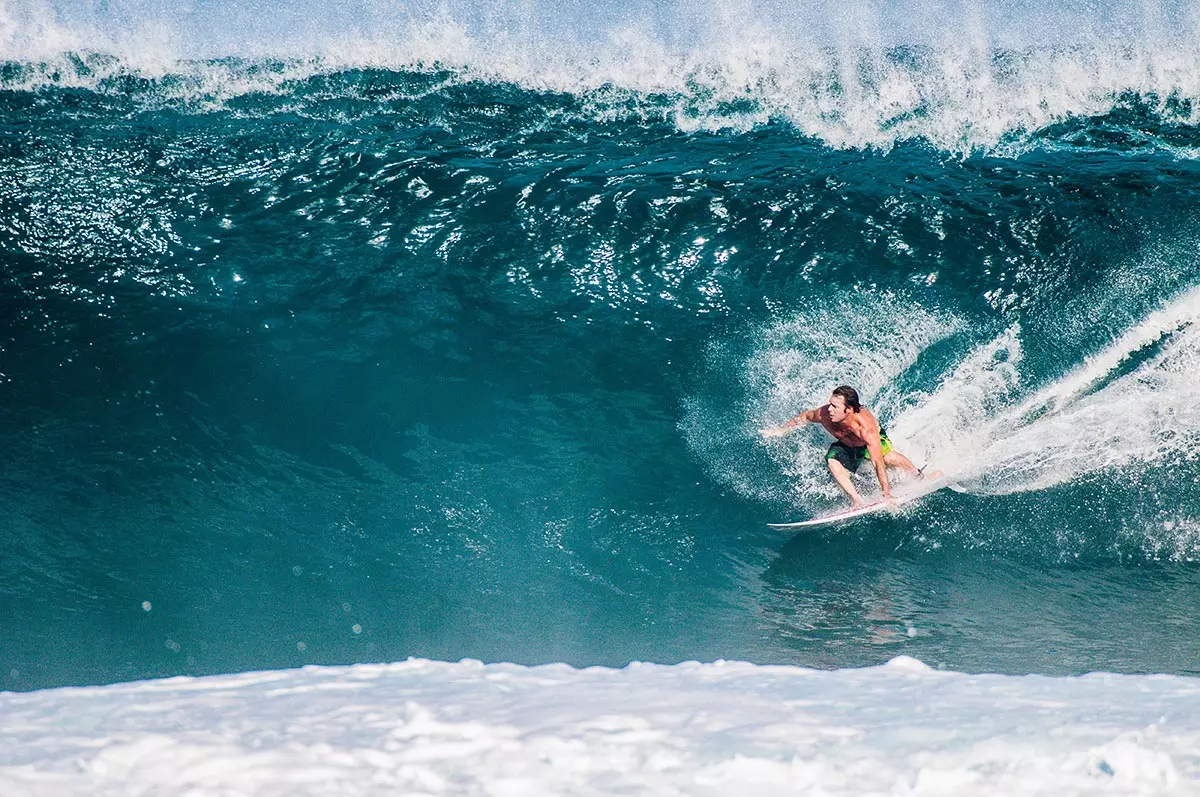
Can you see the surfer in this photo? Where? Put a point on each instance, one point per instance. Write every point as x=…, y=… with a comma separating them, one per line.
x=858, y=437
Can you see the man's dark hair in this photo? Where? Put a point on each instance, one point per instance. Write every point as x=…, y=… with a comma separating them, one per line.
x=849, y=395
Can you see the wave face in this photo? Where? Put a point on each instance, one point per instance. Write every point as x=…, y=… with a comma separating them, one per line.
x=458, y=347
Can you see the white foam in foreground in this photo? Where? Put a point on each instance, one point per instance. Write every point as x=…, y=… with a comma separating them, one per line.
x=431, y=728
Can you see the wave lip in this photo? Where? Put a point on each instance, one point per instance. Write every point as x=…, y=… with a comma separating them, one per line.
x=843, y=82
x=467, y=728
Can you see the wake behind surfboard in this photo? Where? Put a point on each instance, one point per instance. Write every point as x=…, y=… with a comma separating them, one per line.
x=899, y=498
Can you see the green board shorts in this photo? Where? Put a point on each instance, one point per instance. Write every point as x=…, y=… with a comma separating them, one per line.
x=853, y=456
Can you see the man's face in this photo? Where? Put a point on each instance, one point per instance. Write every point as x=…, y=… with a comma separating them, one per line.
x=837, y=409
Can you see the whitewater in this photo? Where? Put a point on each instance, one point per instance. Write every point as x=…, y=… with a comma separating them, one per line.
x=423, y=727
x=382, y=387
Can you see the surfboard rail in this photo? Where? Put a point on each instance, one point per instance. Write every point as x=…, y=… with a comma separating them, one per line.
x=899, y=499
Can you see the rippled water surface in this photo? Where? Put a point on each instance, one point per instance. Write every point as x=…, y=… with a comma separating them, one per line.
x=333, y=358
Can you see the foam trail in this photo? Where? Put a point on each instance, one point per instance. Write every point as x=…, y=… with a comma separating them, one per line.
x=944, y=427
x=1135, y=401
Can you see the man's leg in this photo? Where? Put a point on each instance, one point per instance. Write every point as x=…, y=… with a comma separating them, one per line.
x=842, y=477
x=894, y=459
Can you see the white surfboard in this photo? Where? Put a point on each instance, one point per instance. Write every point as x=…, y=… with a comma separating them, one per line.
x=899, y=498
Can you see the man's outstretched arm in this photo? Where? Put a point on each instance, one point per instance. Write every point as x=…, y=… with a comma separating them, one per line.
x=808, y=416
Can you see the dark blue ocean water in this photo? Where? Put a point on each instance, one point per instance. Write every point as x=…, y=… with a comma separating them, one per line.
x=307, y=362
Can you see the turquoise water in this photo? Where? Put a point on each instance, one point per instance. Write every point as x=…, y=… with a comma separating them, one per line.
x=308, y=361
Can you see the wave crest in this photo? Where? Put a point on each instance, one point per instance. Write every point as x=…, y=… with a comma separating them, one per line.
x=841, y=81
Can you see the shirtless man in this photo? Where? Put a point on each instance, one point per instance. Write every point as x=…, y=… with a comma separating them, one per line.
x=859, y=437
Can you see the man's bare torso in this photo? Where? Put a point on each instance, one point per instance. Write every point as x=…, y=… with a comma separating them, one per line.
x=851, y=431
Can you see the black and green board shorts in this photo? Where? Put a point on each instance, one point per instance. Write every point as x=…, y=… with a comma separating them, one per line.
x=853, y=456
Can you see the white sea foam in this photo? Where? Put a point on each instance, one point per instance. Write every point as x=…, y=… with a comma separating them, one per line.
x=857, y=75
x=1135, y=401
x=945, y=427
x=423, y=727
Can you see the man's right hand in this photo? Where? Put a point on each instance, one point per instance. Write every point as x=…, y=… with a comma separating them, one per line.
x=774, y=431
